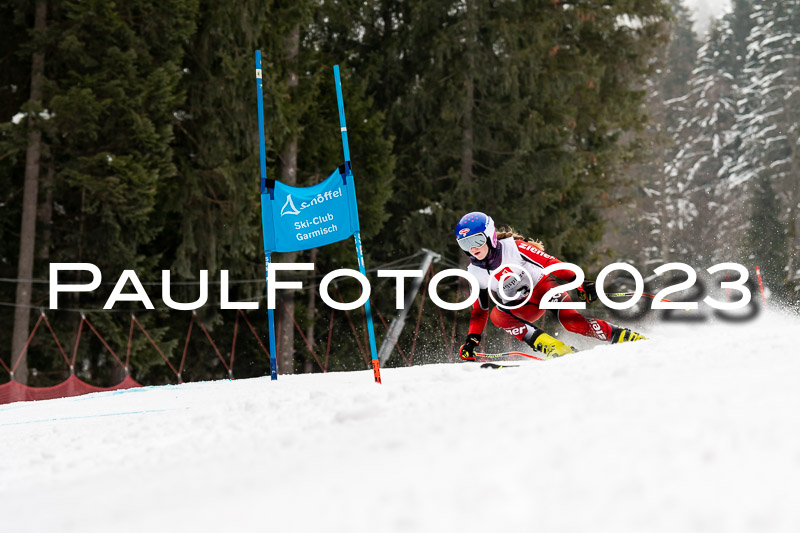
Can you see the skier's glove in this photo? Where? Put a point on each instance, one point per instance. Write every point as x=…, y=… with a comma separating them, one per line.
x=467, y=351
x=587, y=292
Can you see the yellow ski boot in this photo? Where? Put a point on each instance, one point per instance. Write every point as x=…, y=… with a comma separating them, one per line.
x=625, y=335
x=549, y=346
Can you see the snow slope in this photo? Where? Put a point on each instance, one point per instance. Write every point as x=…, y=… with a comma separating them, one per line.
x=694, y=430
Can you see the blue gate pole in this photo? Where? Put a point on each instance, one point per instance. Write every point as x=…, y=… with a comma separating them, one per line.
x=357, y=235
x=273, y=362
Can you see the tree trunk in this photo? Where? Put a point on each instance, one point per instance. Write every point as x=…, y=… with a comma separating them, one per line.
x=46, y=212
x=308, y=366
x=794, y=197
x=663, y=214
x=27, y=237
x=467, y=143
x=467, y=132
x=289, y=176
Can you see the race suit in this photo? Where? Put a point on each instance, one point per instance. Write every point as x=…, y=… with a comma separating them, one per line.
x=526, y=263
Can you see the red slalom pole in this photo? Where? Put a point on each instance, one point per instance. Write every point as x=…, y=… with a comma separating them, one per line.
x=761, y=285
x=728, y=279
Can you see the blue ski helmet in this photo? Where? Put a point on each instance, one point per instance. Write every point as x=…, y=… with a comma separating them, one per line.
x=475, y=229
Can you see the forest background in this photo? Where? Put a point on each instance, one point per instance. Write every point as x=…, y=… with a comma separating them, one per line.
x=610, y=130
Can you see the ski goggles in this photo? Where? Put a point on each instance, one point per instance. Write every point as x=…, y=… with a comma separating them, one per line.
x=472, y=241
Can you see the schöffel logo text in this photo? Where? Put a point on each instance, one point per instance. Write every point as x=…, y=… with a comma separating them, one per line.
x=290, y=209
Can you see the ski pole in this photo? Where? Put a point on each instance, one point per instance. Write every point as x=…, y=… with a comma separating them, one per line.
x=618, y=294
x=504, y=356
x=629, y=293
x=621, y=294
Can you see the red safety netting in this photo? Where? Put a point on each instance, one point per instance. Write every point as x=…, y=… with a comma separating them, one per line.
x=73, y=386
x=13, y=391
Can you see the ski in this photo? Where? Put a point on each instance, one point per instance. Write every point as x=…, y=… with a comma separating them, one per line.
x=494, y=365
x=506, y=356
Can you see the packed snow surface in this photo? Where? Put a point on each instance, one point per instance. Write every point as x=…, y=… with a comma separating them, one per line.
x=693, y=430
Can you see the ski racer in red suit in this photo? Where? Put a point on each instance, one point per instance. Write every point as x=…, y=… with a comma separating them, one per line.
x=523, y=263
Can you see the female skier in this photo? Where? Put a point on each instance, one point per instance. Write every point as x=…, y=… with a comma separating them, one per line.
x=523, y=262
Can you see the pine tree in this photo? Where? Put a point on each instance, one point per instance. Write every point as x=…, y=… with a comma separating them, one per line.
x=112, y=89
x=212, y=219
x=766, y=236
x=321, y=152
x=551, y=86
x=210, y=213
x=14, y=80
x=27, y=234
x=646, y=201
x=706, y=148
x=771, y=123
